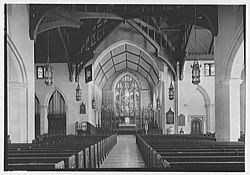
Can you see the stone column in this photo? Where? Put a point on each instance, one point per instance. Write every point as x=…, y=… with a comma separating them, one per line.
x=176, y=105
x=18, y=113
x=207, y=119
x=68, y=124
x=44, y=119
x=243, y=106
x=228, y=122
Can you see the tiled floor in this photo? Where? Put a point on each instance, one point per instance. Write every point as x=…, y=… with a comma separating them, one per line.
x=125, y=154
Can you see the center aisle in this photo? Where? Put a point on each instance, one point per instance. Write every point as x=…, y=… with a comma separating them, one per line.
x=125, y=154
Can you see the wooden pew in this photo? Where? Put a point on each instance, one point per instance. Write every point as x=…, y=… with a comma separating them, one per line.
x=36, y=166
x=207, y=166
x=195, y=150
x=206, y=153
x=80, y=153
x=70, y=162
x=196, y=154
x=223, y=158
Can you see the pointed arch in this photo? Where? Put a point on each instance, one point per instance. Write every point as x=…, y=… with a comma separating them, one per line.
x=117, y=44
x=127, y=93
x=46, y=103
x=107, y=64
x=204, y=94
x=233, y=49
x=123, y=74
x=56, y=115
x=18, y=61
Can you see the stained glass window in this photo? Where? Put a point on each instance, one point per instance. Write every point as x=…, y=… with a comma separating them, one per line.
x=127, y=96
x=40, y=72
x=209, y=69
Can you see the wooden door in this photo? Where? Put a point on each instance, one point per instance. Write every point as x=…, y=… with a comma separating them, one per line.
x=196, y=126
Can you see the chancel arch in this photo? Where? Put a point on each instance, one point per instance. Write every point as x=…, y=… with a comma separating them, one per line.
x=125, y=56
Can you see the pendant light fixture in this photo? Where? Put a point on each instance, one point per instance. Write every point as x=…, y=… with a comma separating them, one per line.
x=196, y=66
x=78, y=92
x=158, y=105
x=78, y=88
x=171, y=91
x=93, y=103
x=48, y=74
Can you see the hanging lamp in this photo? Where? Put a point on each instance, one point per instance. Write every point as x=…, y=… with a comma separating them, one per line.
x=78, y=92
x=93, y=103
x=78, y=88
x=171, y=91
x=196, y=66
x=158, y=105
x=48, y=73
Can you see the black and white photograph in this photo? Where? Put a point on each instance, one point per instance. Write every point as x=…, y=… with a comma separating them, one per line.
x=117, y=87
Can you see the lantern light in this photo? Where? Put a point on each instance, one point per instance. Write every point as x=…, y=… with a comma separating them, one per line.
x=171, y=91
x=78, y=92
x=195, y=67
x=195, y=73
x=48, y=73
x=158, y=105
x=93, y=103
x=78, y=88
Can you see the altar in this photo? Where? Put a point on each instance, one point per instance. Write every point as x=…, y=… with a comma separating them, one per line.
x=127, y=128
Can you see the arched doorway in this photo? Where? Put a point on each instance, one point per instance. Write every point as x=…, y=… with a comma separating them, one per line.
x=37, y=117
x=56, y=115
x=196, y=126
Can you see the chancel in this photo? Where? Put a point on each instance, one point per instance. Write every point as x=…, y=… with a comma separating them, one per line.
x=123, y=87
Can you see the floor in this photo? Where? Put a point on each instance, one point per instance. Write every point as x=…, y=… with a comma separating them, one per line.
x=125, y=154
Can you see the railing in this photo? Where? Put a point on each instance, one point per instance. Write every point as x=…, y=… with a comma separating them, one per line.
x=151, y=158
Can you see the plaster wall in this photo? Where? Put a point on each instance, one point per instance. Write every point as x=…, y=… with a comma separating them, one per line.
x=193, y=103
x=62, y=83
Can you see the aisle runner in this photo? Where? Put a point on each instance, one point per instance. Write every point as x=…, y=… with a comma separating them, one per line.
x=125, y=154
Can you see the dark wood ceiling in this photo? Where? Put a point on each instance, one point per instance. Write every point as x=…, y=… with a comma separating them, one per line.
x=76, y=30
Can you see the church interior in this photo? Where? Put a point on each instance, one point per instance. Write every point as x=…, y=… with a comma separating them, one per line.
x=95, y=87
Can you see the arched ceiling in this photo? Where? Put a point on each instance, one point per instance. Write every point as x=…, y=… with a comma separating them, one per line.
x=126, y=57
